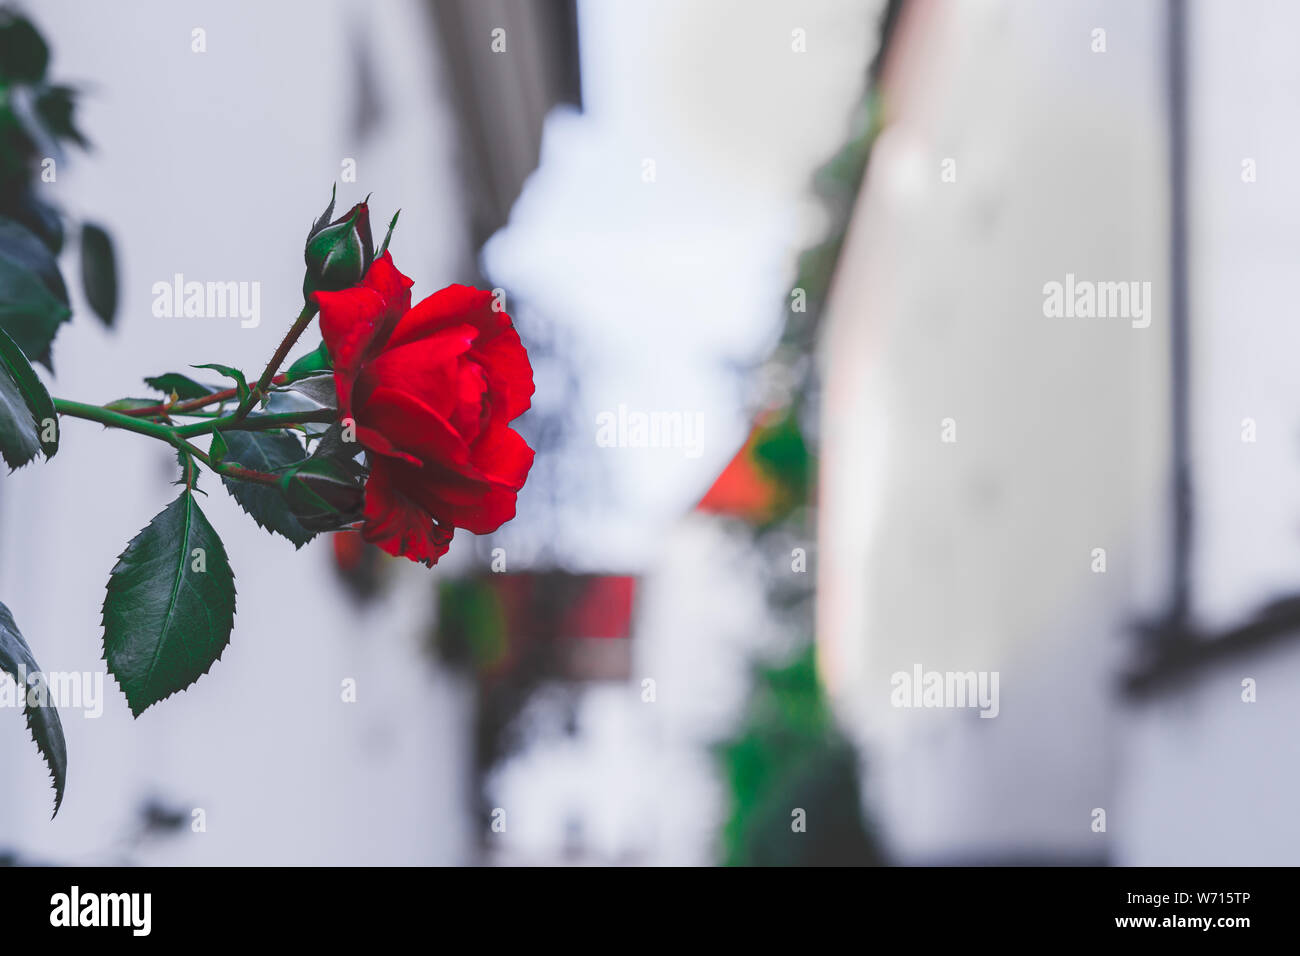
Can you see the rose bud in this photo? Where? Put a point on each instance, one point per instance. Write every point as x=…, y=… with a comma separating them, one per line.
x=324, y=495
x=338, y=253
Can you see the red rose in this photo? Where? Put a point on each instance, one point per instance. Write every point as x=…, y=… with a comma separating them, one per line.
x=432, y=390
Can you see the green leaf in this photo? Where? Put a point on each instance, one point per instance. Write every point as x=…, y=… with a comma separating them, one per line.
x=99, y=272
x=23, y=53
x=41, y=218
x=241, y=383
x=27, y=416
x=55, y=105
x=309, y=394
x=313, y=363
x=23, y=247
x=170, y=605
x=267, y=451
x=130, y=404
x=29, y=312
x=182, y=386
x=17, y=661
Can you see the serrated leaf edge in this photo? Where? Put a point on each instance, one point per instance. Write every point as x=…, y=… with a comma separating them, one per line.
x=30, y=721
x=234, y=592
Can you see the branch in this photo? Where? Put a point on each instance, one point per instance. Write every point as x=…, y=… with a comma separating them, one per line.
x=281, y=353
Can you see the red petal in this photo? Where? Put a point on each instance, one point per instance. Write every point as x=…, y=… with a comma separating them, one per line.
x=477, y=504
x=413, y=427
x=453, y=305
x=347, y=324
x=427, y=368
x=393, y=287
x=464, y=503
x=372, y=440
x=356, y=322
x=510, y=375
x=502, y=456
x=471, y=394
x=396, y=523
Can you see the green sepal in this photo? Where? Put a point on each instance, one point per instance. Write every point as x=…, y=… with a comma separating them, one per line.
x=218, y=449
x=324, y=217
x=392, y=225
x=325, y=493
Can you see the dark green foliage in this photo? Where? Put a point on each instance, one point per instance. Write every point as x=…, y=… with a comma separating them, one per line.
x=27, y=415
x=183, y=387
x=43, y=722
x=269, y=452
x=99, y=272
x=788, y=756
x=170, y=605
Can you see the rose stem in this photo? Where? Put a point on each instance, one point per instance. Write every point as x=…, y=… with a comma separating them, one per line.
x=290, y=339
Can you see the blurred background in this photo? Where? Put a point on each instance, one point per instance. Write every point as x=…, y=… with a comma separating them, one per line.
x=803, y=422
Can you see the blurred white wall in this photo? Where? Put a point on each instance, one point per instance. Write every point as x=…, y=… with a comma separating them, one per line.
x=976, y=554
x=1208, y=778
x=1244, y=253
x=214, y=165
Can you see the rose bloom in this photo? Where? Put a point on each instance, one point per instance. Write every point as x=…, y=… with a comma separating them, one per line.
x=432, y=390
